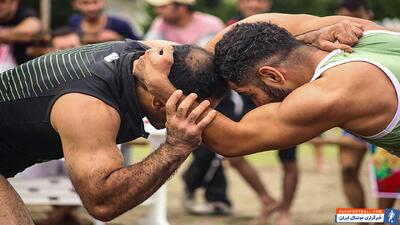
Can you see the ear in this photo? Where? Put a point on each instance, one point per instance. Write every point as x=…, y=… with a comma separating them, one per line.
x=157, y=104
x=270, y=74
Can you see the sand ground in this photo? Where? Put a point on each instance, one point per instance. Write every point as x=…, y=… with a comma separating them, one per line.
x=318, y=195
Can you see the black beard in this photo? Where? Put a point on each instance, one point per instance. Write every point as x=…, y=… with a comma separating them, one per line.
x=275, y=94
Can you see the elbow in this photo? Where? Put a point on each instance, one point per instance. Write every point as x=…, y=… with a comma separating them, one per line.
x=109, y=210
x=101, y=209
x=102, y=212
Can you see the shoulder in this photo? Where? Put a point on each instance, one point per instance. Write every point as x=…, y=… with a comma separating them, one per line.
x=75, y=20
x=85, y=115
x=315, y=101
x=158, y=23
x=354, y=75
x=118, y=22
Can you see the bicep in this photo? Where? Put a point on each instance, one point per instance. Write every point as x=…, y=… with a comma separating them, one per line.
x=88, y=128
x=276, y=126
x=300, y=117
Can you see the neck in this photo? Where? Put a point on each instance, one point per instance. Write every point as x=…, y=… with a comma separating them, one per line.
x=95, y=21
x=185, y=20
x=310, y=58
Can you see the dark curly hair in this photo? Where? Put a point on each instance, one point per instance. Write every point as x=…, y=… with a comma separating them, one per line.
x=193, y=71
x=247, y=44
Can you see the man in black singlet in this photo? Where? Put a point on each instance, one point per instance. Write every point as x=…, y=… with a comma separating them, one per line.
x=79, y=104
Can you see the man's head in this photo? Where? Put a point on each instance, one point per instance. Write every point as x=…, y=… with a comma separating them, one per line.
x=251, y=7
x=8, y=8
x=355, y=8
x=193, y=71
x=259, y=60
x=90, y=9
x=65, y=38
x=173, y=11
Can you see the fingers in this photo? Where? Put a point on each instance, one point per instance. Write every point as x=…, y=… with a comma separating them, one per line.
x=359, y=25
x=162, y=56
x=330, y=46
x=170, y=105
x=348, y=38
x=185, y=105
x=195, y=114
x=348, y=32
x=168, y=52
x=358, y=31
x=206, y=120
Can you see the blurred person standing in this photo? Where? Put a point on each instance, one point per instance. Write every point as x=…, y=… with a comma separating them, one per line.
x=65, y=38
x=354, y=149
x=248, y=8
x=355, y=8
x=96, y=26
x=178, y=21
x=18, y=26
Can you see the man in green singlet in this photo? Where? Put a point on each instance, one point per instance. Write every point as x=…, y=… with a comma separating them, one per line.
x=300, y=91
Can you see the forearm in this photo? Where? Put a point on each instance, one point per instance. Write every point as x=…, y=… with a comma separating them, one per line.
x=296, y=24
x=127, y=187
x=230, y=139
x=23, y=32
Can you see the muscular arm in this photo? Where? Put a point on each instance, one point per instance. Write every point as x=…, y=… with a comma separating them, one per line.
x=297, y=24
x=88, y=129
x=23, y=32
x=267, y=127
x=304, y=114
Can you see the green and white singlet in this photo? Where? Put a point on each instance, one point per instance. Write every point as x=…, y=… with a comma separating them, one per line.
x=382, y=49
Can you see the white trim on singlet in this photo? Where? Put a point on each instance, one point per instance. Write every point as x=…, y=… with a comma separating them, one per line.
x=368, y=32
x=392, y=78
x=318, y=71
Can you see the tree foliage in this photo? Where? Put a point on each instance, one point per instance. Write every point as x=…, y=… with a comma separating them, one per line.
x=224, y=9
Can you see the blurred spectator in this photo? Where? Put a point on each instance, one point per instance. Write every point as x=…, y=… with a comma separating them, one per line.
x=351, y=155
x=248, y=8
x=177, y=21
x=18, y=26
x=65, y=38
x=355, y=8
x=95, y=26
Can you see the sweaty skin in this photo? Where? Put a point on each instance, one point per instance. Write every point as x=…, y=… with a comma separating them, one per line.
x=336, y=99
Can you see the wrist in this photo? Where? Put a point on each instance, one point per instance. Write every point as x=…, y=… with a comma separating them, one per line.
x=308, y=38
x=179, y=149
